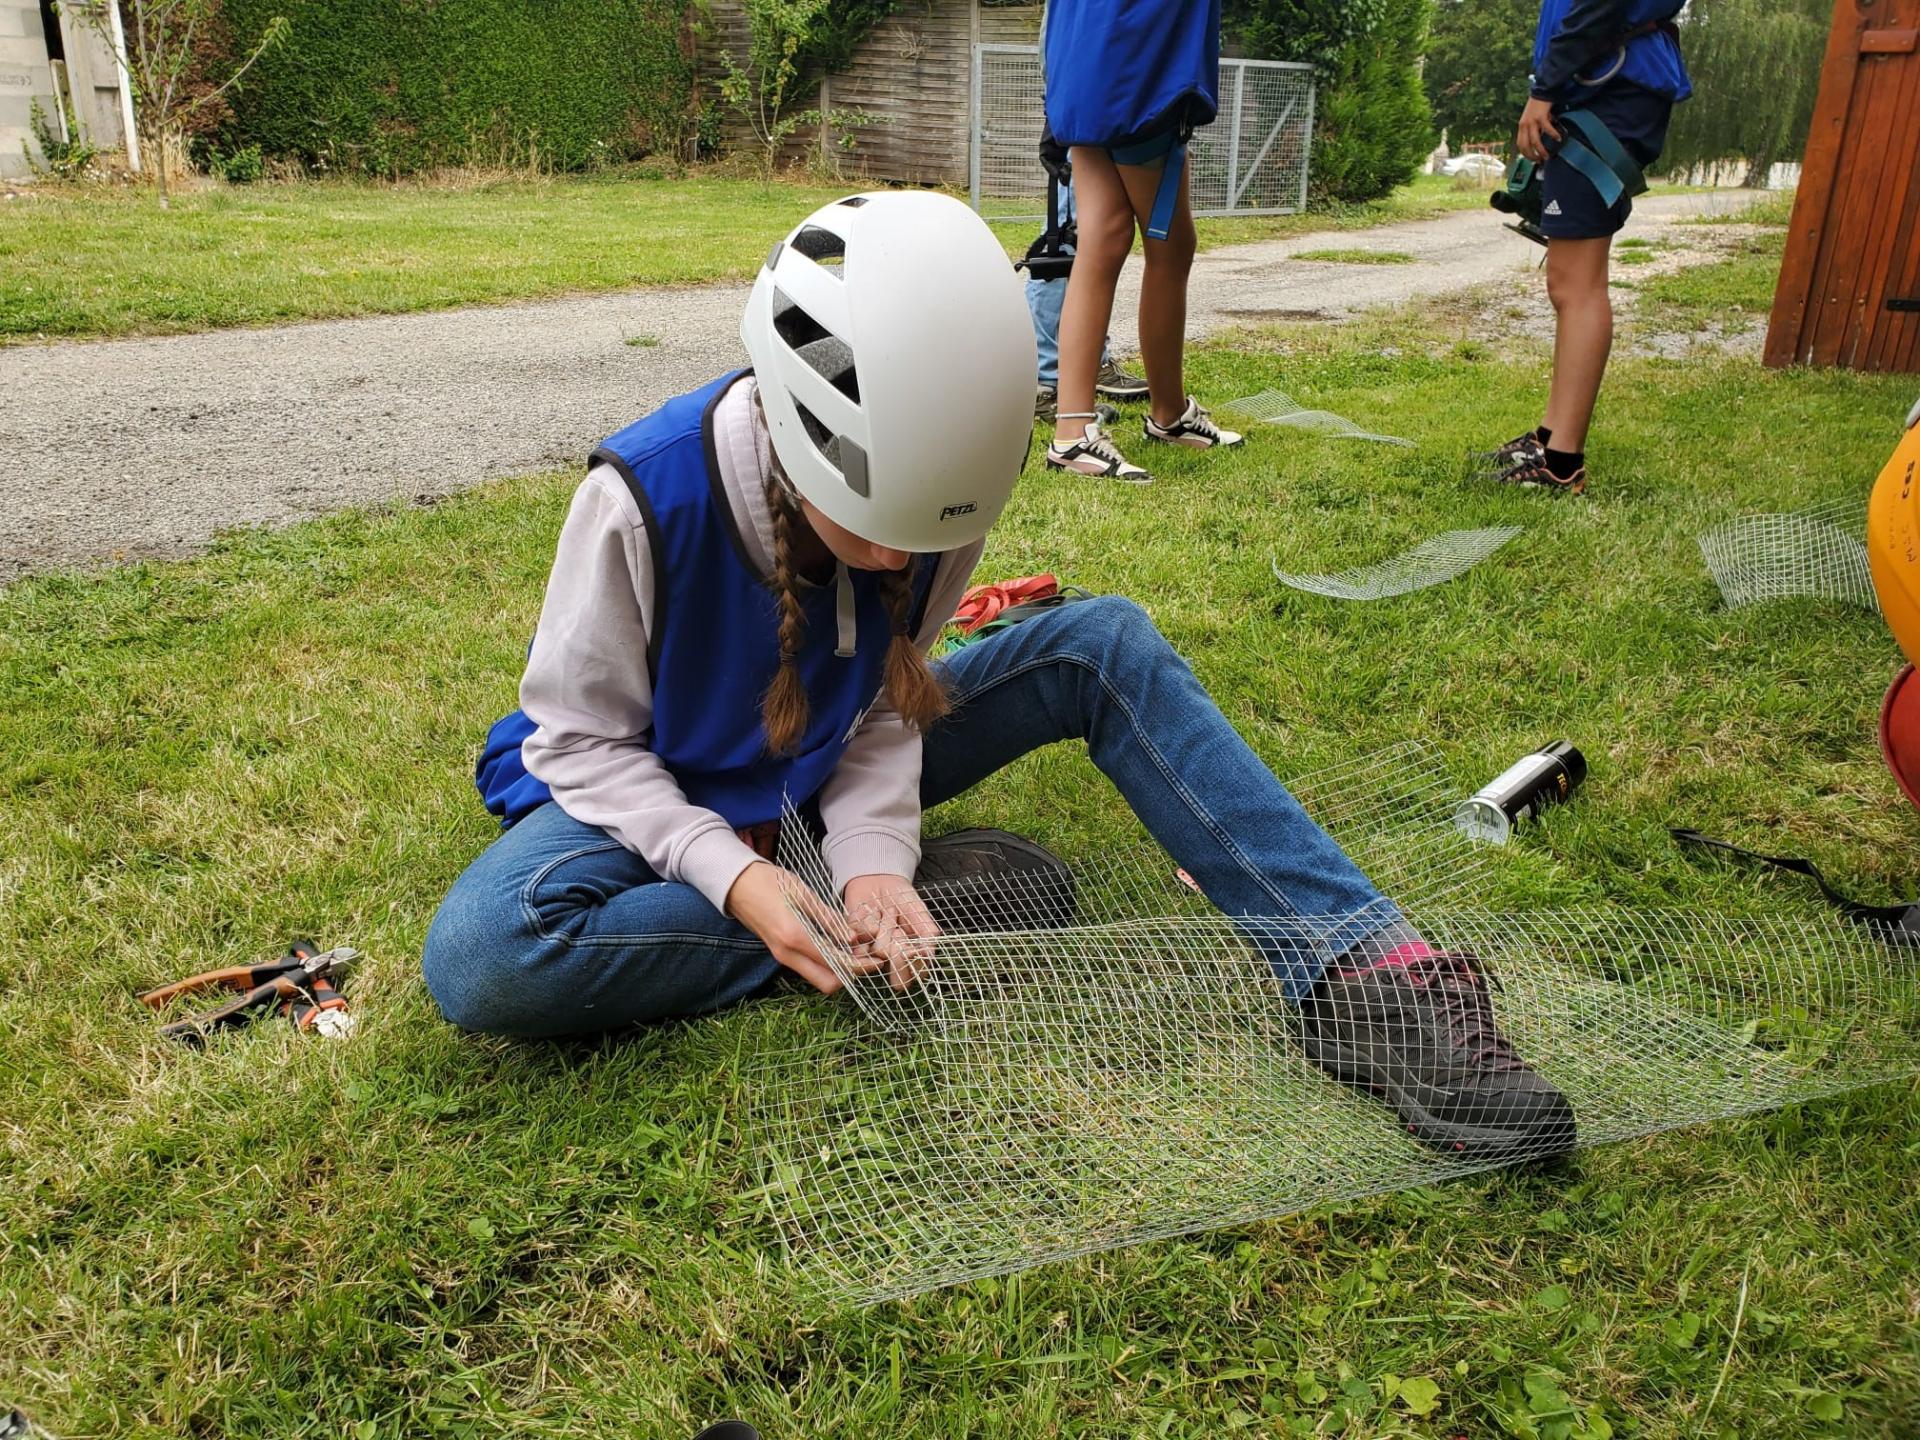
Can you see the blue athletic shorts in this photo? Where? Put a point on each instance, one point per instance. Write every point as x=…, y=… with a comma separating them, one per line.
x=1570, y=206
x=1143, y=152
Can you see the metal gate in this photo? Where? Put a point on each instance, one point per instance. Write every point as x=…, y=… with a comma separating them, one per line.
x=1251, y=161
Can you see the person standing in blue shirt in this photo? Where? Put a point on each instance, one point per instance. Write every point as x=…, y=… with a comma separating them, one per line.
x=1127, y=84
x=1617, y=63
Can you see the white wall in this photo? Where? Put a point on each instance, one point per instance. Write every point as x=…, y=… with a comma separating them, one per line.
x=95, y=77
x=25, y=77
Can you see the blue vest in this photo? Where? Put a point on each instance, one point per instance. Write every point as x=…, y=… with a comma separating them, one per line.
x=714, y=646
x=1652, y=61
x=1121, y=71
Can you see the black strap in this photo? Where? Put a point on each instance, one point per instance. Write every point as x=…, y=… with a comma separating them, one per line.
x=1050, y=257
x=1897, y=924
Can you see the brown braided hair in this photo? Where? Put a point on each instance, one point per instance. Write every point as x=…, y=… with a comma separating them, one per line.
x=911, y=687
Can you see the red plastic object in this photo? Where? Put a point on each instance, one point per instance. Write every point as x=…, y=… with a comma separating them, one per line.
x=1900, y=732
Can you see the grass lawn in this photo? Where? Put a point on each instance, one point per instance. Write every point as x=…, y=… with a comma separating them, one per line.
x=110, y=262
x=418, y=1233
x=100, y=262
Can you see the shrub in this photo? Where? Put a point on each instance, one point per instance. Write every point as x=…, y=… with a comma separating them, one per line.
x=387, y=87
x=1372, y=123
x=242, y=166
x=60, y=159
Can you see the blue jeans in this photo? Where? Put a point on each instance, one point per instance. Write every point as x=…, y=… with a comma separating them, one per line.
x=558, y=929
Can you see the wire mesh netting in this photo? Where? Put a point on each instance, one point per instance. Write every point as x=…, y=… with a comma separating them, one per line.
x=1432, y=562
x=1275, y=407
x=1251, y=160
x=1123, y=1065
x=1818, y=553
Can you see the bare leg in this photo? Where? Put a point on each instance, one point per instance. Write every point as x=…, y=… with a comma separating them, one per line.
x=1106, y=236
x=1163, y=291
x=1582, y=337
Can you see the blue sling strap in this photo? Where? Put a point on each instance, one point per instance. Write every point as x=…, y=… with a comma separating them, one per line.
x=1600, y=158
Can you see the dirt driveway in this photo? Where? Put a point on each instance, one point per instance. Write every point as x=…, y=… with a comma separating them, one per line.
x=137, y=448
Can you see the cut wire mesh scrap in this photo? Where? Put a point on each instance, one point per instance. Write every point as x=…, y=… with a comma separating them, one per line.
x=1432, y=562
x=1138, y=1073
x=1817, y=553
x=1272, y=407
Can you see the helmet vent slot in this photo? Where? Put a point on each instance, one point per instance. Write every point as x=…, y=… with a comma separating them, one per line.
x=832, y=360
x=824, y=440
x=854, y=202
x=794, y=325
x=821, y=246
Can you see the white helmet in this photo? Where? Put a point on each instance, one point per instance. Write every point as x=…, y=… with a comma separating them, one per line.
x=896, y=360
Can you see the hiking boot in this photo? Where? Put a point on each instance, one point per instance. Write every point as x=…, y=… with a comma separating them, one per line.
x=1117, y=384
x=1422, y=1037
x=1528, y=469
x=1096, y=454
x=974, y=880
x=1194, y=429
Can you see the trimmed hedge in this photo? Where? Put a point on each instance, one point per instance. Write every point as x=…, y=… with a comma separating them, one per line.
x=1372, y=123
x=386, y=87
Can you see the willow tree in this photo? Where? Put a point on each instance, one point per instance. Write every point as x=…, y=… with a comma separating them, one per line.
x=1756, y=71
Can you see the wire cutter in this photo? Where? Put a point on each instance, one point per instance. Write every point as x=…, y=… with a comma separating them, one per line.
x=299, y=983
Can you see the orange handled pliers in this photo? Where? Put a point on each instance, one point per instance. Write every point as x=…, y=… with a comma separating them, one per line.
x=299, y=983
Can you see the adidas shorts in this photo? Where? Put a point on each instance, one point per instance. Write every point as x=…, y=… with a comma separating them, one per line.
x=1570, y=206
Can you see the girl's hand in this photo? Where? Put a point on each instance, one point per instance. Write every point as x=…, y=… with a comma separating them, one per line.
x=758, y=900
x=1536, y=125
x=891, y=927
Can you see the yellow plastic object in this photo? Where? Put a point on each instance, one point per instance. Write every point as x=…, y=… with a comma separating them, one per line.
x=1893, y=540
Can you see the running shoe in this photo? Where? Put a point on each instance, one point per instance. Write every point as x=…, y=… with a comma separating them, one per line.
x=1194, y=429
x=1096, y=454
x=1529, y=471
x=1492, y=464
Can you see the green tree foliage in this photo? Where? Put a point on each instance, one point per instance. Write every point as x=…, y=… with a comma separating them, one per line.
x=1372, y=123
x=790, y=44
x=1756, y=71
x=1478, y=62
x=1309, y=30
x=829, y=41
x=390, y=86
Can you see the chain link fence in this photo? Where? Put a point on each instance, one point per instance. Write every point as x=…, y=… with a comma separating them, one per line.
x=1251, y=161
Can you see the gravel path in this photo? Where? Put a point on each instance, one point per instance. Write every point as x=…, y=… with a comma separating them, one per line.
x=139, y=448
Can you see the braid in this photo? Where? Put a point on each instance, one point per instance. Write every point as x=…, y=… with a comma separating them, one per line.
x=784, y=708
x=912, y=686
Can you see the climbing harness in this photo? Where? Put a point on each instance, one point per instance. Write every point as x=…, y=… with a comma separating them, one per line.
x=1589, y=147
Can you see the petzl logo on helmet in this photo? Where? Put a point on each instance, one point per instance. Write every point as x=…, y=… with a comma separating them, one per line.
x=953, y=510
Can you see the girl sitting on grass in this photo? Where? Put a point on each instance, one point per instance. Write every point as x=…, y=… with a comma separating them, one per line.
x=739, y=613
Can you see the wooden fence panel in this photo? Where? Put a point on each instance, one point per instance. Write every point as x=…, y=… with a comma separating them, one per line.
x=1849, y=290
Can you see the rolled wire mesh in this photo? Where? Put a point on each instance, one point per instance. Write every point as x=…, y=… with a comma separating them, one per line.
x=1251, y=160
x=1432, y=562
x=1274, y=407
x=1136, y=1072
x=1818, y=553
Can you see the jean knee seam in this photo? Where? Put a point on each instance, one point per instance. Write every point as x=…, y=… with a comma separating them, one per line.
x=1194, y=808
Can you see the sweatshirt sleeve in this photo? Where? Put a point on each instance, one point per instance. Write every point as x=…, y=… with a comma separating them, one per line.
x=1585, y=32
x=871, y=802
x=587, y=689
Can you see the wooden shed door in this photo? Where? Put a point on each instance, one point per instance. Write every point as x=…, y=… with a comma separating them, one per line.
x=1850, y=284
